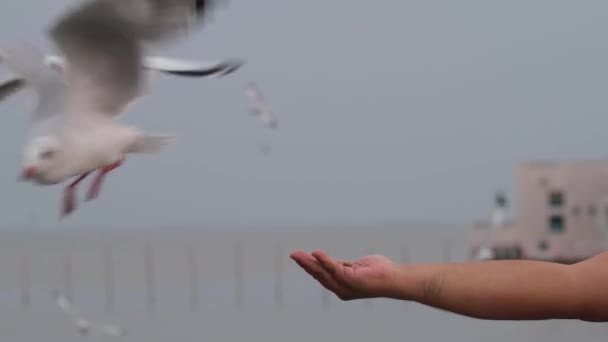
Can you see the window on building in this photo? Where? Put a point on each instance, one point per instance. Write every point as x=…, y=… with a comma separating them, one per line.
x=592, y=210
x=556, y=199
x=557, y=223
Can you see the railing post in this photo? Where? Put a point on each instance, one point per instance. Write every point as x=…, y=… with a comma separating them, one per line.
x=108, y=273
x=278, y=282
x=239, y=269
x=150, y=277
x=193, y=278
x=25, y=280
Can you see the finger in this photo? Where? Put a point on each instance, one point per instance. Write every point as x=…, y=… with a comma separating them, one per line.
x=303, y=259
x=339, y=270
x=298, y=255
x=334, y=268
x=312, y=267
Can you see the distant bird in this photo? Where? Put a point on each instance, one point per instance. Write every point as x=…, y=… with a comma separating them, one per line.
x=73, y=130
x=265, y=149
x=84, y=326
x=170, y=66
x=259, y=106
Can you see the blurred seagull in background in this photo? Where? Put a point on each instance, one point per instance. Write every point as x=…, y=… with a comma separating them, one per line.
x=259, y=106
x=84, y=326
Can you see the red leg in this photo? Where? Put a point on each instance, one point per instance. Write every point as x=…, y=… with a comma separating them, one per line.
x=96, y=186
x=69, y=197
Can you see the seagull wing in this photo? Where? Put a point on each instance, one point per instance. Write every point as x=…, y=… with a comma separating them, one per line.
x=102, y=55
x=48, y=87
x=186, y=68
x=10, y=87
x=102, y=41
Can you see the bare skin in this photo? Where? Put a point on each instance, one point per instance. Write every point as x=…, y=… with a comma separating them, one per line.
x=493, y=290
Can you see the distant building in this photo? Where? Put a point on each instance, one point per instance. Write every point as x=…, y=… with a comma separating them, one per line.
x=561, y=214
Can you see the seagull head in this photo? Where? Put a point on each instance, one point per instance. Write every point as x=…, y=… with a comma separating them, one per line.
x=40, y=158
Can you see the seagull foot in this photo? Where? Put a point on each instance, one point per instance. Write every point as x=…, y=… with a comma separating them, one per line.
x=69, y=197
x=69, y=202
x=95, y=188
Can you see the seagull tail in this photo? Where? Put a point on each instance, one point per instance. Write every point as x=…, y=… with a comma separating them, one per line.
x=151, y=144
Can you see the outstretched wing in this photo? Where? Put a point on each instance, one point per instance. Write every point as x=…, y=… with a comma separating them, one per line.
x=102, y=42
x=48, y=87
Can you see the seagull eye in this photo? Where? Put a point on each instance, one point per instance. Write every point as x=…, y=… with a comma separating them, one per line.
x=47, y=154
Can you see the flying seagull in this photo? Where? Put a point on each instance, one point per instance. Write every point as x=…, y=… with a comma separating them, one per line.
x=259, y=106
x=73, y=128
x=84, y=326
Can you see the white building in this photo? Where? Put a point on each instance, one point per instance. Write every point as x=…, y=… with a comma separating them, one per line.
x=561, y=213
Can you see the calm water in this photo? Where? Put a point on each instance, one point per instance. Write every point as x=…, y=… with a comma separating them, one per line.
x=181, y=285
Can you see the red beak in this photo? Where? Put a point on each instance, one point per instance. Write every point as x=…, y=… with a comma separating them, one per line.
x=28, y=172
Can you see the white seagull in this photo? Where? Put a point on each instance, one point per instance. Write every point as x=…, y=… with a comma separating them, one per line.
x=73, y=128
x=84, y=326
x=165, y=65
x=259, y=106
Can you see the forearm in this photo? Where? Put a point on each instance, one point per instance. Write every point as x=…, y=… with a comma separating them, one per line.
x=509, y=290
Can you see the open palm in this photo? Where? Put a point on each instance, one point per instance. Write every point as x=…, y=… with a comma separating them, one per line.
x=367, y=277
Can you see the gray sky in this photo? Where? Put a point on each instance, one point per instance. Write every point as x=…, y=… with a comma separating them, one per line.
x=392, y=110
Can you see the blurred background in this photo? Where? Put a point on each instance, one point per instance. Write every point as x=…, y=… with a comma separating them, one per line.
x=428, y=131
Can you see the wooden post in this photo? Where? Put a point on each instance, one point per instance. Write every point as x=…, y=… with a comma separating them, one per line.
x=278, y=281
x=25, y=281
x=150, y=277
x=108, y=271
x=67, y=277
x=239, y=269
x=193, y=278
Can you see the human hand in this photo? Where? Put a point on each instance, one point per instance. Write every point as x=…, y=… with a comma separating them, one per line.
x=369, y=277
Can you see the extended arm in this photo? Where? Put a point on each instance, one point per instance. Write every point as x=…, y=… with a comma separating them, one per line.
x=514, y=290
x=496, y=290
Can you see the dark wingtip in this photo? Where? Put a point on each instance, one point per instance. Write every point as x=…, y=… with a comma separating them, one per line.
x=203, y=7
x=223, y=69
x=200, y=6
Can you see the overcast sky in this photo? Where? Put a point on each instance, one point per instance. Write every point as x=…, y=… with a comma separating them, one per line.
x=390, y=110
